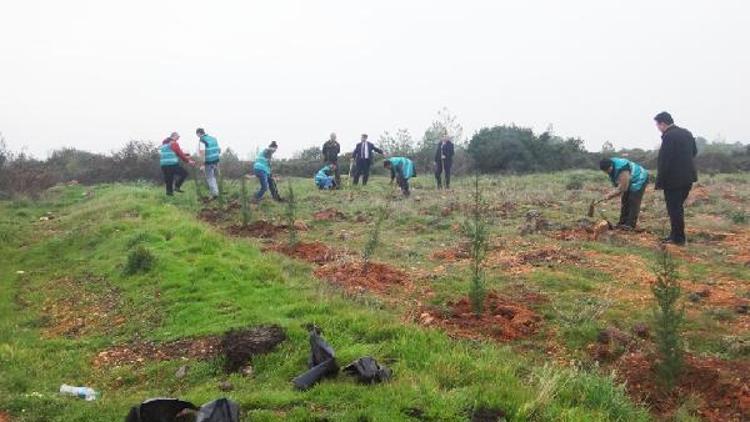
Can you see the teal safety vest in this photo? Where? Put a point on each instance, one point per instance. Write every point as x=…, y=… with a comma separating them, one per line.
x=263, y=163
x=403, y=166
x=322, y=174
x=167, y=157
x=213, y=152
x=638, y=174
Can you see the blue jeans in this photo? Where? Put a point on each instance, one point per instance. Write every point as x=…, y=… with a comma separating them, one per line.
x=263, y=178
x=212, y=170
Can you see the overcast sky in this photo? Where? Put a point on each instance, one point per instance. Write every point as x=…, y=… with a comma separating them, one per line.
x=95, y=74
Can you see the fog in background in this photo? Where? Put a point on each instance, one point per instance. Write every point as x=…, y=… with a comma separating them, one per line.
x=95, y=74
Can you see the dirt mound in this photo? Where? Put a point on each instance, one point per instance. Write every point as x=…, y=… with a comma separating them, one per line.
x=583, y=229
x=548, y=256
x=211, y=215
x=89, y=306
x=261, y=228
x=698, y=195
x=503, y=319
x=720, y=385
x=239, y=346
x=352, y=277
x=329, y=214
x=534, y=223
x=141, y=352
x=4, y=417
x=450, y=255
x=315, y=252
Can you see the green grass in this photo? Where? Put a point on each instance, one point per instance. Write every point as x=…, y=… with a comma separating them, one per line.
x=202, y=282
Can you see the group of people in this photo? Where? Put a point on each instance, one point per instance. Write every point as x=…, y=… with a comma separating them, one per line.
x=676, y=171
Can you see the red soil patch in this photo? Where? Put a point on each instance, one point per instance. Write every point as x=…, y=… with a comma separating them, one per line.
x=262, y=229
x=546, y=256
x=503, y=319
x=330, y=214
x=698, y=195
x=4, y=417
x=315, y=252
x=211, y=215
x=450, y=255
x=722, y=386
x=378, y=277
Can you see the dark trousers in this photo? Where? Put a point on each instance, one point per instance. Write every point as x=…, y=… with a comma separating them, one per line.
x=631, y=207
x=336, y=173
x=675, y=199
x=363, y=170
x=440, y=166
x=174, y=177
x=403, y=183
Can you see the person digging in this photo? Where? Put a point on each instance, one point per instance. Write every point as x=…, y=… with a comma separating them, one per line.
x=629, y=180
x=402, y=169
x=170, y=155
x=262, y=170
x=325, y=178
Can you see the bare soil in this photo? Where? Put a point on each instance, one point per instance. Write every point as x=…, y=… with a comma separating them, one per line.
x=721, y=386
x=503, y=319
x=353, y=277
x=83, y=310
x=314, y=252
x=329, y=214
x=261, y=228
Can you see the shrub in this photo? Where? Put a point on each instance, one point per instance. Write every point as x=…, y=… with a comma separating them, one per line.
x=476, y=228
x=373, y=239
x=140, y=260
x=739, y=217
x=575, y=182
x=669, y=318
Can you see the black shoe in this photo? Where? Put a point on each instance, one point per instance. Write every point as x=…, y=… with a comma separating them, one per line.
x=624, y=227
x=179, y=190
x=170, y=194
x=670, y=241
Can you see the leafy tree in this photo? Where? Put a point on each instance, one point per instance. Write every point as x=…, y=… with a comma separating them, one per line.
x=400, y=144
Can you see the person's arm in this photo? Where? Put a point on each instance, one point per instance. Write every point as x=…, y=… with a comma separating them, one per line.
x=451, y=151
x=623, y=184
x=376, y=149
x=393, y=173
x=177, y=150
x=336, y=148
x=665, y=156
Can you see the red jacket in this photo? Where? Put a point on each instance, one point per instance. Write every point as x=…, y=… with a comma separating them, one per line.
x=176, y=148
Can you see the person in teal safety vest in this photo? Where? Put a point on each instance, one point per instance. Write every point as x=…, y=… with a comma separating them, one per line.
x=212, y=153
x=170, y=155
x=262, y=170
x=630, y=180
x=402, y=169
x=325, y=178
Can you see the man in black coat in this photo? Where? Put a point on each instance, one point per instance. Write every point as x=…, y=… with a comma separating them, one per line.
x=444, y=161
x=331, y=151
x=675, y=172
x=362, y=156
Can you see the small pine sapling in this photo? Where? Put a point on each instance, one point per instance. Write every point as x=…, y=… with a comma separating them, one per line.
x=245, y=202
x=668, y=317
x=477, y=232
x=291, y=216
x=373, y=239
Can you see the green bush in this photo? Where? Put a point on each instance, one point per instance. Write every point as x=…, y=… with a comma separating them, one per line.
x=575, y=182
x=140, y=260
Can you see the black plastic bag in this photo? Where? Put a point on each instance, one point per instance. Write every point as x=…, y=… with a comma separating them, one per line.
x=368, y=370
x=161, y=410
x=221, y=410
x=322, y=362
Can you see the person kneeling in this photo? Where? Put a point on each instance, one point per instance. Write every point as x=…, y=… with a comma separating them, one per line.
x=325, y=178
x=630, y=180
x=402, y=169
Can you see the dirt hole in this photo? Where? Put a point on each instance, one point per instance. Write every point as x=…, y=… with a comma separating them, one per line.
x=352, y=276
x=315, y=252
x=329, y=214
x=262, y=229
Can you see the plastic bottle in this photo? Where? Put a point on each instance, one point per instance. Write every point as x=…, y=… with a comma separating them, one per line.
x=82, y=392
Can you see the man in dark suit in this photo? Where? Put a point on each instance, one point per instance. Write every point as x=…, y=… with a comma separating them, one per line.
x=363, y=157
x=675, y=172
x=444, y=161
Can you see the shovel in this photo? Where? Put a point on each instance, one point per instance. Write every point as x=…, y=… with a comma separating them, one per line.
x=592, y=206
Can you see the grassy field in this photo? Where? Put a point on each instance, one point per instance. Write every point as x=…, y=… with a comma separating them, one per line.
x=568, y=324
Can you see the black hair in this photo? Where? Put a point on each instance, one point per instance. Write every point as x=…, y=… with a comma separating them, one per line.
x=387, y=163
x=665, y=118
x=604, y=164
x=200, y=131
x=273, y=145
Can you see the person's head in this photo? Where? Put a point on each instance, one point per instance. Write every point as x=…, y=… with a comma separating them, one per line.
x=387, y=164
x=606, y=165
x=333, y=166
x=333, y=136
x=200, y=131
x=174, y=136
x=663, y=121
x=364, y=137
x=445, y=139
x=273, y=146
